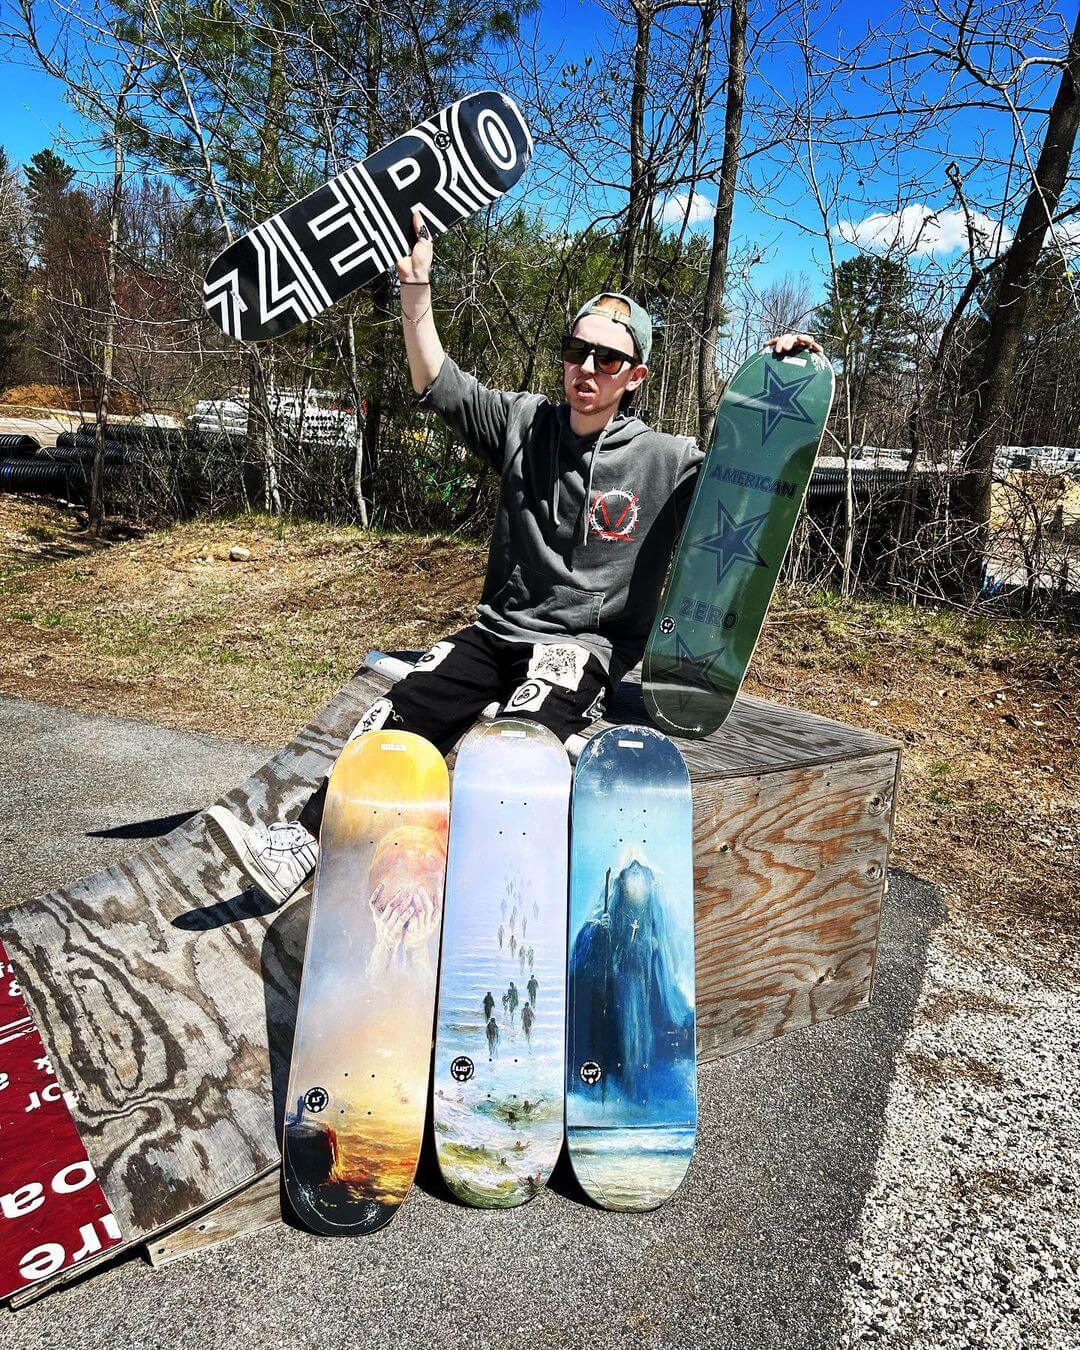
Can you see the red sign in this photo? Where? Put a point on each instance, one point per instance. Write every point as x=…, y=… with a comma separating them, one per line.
x=53, y=1212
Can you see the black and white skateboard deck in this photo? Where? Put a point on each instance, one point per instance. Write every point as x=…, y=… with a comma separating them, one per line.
x=305, y=259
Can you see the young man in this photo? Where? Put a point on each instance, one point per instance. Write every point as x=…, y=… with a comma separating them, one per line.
x=590, y=505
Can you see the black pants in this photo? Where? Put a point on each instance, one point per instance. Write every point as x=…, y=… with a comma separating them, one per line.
x=561, y=685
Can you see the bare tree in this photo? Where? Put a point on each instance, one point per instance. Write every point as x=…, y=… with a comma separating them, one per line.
x=1047, y=178
x=713, y=306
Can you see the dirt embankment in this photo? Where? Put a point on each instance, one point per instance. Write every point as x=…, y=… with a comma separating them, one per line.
x=169, y=627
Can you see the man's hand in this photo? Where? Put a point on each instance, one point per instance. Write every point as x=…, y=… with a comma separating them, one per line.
x=416, y=268
x=788, y=343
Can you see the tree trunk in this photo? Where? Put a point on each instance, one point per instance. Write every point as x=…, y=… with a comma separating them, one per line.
x=380, y=290
x=97, y=477
x=261, y=433
x=713, y=308
x=358, y=415
x=1007, y=320
x=637, y=208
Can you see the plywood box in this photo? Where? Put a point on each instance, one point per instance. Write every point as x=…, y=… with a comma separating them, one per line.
x=792, y=823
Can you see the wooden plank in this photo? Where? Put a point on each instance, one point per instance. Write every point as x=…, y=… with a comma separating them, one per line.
x=75, y=1273
x=789, y=876
x=256, y=1207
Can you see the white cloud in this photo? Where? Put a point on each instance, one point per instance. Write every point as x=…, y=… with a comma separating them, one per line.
x=1067, y=234
x=673, y=211
x=919, y=232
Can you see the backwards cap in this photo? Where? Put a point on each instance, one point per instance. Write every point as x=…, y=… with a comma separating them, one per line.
x=621, y=310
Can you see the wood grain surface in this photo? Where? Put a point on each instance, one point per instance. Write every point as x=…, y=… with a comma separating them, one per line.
x=255, y=1208
x=166, y=993
x=789, y=876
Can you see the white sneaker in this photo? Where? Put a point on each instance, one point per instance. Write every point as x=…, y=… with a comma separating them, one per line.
x=277, y=858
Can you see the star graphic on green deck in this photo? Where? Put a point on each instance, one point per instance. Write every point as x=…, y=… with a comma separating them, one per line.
x=780, y=400
x=690, y=674
x=690, y=667
x=733, y=541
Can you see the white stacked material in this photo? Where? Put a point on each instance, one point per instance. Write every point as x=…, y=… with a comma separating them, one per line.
x=219, y=415
x=1044, y=458
x=310, y=417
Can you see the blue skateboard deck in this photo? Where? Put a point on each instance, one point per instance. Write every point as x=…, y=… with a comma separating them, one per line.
x=500, y=1034
x=631, y=1061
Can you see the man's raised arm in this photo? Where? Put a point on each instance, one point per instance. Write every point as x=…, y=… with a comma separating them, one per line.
x=422, y=345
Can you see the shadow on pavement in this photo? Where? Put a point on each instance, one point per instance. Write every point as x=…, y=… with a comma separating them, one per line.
x=143, y=829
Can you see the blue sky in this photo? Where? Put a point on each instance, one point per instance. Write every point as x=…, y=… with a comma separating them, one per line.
x=33, y=114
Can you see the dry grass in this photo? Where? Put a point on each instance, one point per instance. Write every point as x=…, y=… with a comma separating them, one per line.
x=37, y=396
x=165, y=627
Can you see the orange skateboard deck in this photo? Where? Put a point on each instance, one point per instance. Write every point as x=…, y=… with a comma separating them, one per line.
x=361, y=1056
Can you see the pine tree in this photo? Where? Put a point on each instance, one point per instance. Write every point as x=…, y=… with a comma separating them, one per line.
x=868, y=321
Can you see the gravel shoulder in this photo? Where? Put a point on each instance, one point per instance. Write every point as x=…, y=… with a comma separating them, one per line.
x=969, y=1234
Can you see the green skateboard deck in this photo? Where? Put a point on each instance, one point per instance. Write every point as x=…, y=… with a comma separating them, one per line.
x=631, y=1059
x=361, y=1057
x=749, y=492
x=500, y=1035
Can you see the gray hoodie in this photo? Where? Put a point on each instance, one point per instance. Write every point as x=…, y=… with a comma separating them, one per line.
x=585, y=525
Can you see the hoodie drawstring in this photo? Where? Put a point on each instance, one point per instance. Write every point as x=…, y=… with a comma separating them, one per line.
x=556, y=483
x=588, y=487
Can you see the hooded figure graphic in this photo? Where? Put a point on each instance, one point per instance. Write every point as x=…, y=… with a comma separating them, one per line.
x=630, y=1013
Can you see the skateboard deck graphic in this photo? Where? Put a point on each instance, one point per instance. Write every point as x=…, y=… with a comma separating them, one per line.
x=631, y=1059
x=53, y=1212
x=501, y=1029
x=362, y=1052
x=298, y=263
x=749, y=492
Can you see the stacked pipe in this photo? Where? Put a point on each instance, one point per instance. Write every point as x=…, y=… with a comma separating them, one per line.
x=57, y=479
x=827, y=483
x=16, y=446
x=82, y=453
x=64, y=469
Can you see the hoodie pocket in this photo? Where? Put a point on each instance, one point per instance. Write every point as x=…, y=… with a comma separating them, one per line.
x=536, y=602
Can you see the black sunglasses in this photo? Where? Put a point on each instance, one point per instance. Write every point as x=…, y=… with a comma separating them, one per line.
x=608, y=360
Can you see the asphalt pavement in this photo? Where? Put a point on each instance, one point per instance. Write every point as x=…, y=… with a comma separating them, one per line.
x=752, y=1252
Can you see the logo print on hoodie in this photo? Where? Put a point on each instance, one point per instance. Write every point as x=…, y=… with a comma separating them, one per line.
x=614, y=515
